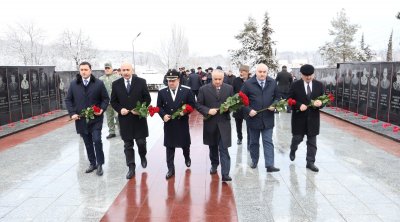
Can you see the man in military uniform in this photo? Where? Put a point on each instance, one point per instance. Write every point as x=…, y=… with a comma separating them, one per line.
x=108, y=79
x=176, y=131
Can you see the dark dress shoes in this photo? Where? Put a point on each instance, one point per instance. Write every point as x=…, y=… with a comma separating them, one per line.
x=292, y=155
x=130, y=174
x=226, y=178
x=188, y=162
x=239, y=142
x=91, y=169
x=312, y=167
x=272, y=169
x=213, y=170
x=170, y=174
x=99, y=171
x=253, y=165
x=111, y=136
x=144, y=162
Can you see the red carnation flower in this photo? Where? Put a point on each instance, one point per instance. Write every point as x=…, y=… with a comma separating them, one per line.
x=96, y=109
x=291, y=102
x=188, y=109
x=153, y=110
x=244, y=98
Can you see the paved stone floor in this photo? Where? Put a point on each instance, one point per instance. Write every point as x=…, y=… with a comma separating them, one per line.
x=42, y=179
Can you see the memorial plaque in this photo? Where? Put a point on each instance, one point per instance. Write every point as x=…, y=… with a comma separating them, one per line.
x=354, y=87
x=14, y=94
x=35, y=92
x=25, y=92
x=44, y=90
x=347, y=87
x=363, y=92
x=340, y=85
x=394, y=111
x=4, y=106
x=384, y=91
x=332, y=80
x=52, y=88
x=64, y=80
x=373, y=83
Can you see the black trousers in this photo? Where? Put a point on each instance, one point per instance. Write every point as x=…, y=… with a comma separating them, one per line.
x=239, y=124
x=130, y=152
x=94, y=147
x=311, y=146
x=171, y=155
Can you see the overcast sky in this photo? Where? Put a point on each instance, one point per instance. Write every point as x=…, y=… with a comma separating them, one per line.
x=210, y=25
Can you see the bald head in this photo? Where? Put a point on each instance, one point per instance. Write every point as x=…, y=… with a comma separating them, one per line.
x=127, y=70
x=261, y=71
x=217, y=78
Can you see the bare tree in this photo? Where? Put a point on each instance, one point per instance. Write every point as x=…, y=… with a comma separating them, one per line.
x=175, y=49
x=389, y=54
x=76, y=46
x=26, y=41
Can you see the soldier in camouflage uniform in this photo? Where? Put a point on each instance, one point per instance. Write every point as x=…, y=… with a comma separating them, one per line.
x=108, y=79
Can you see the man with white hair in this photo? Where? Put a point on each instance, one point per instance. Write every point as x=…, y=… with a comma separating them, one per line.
x=217, y=127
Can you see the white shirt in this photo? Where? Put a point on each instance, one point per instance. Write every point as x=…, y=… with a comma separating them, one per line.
x=88, y=81
x=305, y=86
x=126, y=82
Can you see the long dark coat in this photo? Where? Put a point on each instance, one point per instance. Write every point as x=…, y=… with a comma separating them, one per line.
x=80, y=97
x=131, y=126
x=176, y=131
x=208, y=99
x=237, y=86
x=307, y=122
x=259, y=99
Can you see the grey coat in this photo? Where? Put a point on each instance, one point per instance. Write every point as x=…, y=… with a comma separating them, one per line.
x=221, y=123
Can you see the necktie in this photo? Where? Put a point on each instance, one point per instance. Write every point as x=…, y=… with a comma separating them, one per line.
x=128, y=86
x=218, y=90
x=262, y=84
x=173, y=91
x=308, y=90
x=85, y=82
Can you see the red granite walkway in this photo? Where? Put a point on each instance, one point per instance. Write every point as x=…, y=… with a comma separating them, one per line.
x=23, y=136
x=192, y=195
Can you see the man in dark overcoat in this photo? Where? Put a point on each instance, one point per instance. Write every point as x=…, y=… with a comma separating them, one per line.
x=238, y=115
x=284, y=80
x=176, y=131
x=306, y=120
x=262, y=92
x=86, y=91
x=217, y=127
x=126, y=92
x=194, y=82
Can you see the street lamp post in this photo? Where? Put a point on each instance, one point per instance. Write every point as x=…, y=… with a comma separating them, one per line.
x=133, y=50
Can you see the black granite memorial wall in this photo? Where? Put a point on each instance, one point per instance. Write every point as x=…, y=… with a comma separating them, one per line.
x=24, y=92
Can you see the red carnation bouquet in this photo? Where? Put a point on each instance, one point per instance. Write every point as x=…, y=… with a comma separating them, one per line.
x=89, y=112
x=325, y=100
x=234, y=102
x=291, y=102
x=185, y=109
x=145, y=110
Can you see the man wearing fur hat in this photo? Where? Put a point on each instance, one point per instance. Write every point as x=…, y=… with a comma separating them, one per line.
x=305, y=119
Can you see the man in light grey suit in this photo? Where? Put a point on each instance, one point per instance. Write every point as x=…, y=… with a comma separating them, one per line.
x=217, y=127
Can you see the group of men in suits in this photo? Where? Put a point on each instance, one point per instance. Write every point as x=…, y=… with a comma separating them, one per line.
x=261, y=89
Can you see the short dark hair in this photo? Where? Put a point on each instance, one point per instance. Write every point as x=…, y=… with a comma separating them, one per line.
x=85, y=63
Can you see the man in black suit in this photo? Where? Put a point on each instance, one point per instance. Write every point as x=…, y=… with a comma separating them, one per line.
x=86, y=91
x=126, y=92
x=305, y=119
x=176, y=131
x=284, y=80
x=216, y=128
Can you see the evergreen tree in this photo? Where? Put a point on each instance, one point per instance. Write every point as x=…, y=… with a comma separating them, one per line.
x=249, y=38
x=389, y=54
x=340, y=49
x=398, y=15
x=265, y=51
x=365, y=53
